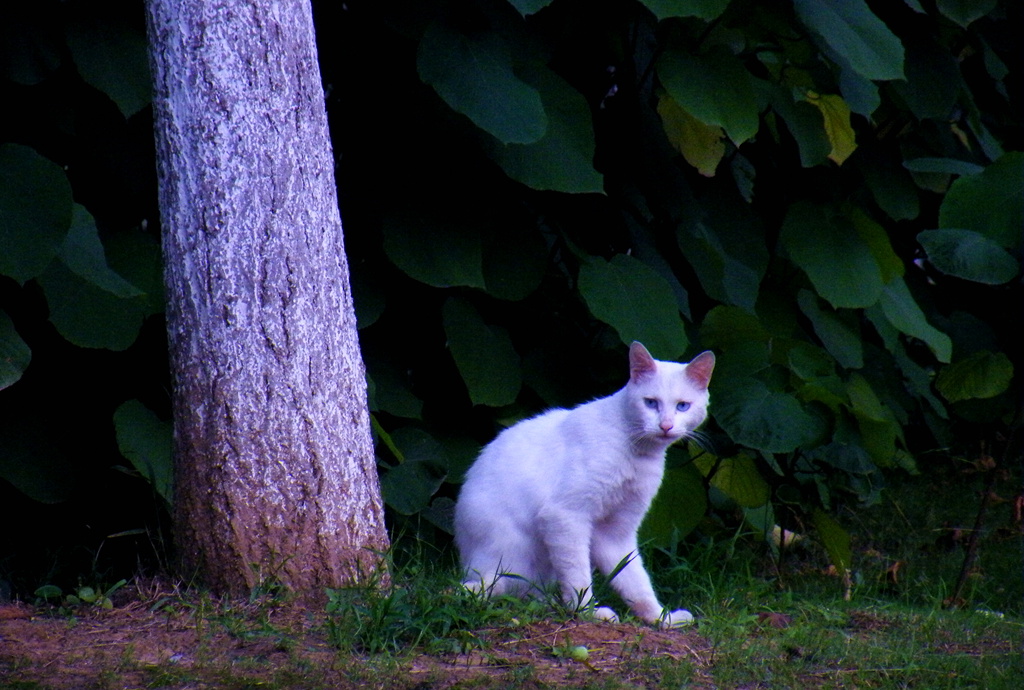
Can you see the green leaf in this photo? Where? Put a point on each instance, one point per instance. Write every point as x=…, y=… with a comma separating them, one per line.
x=969, y=255
x=937, y=183
x=135, y=254
x=407, y=488
x=858, y=91
x=707, y=10
x=835, y=539
x=990, y=203
x=461, y=452
x=417, y=445
x=903, y=312
x=918, y=380
x=474, y=76
x=753, y=413
x=991, y=147
x=724, y=243
x=864, y=401
x=879, y=443
x=35, y=211
x=514, y=262
x=762, y=520
x=963, y=12
x=725, y=327
x=836, y=113
x=381, y=436
x=744, y=174
x=441, y=514
x=807, y=125
x=877, y=240
x=112, y=56
x=701, y=145
x=368, y=296
x=563, y=159
x=677, y=509
x=933, y=81
x=982, y=374
x=49, y=592
x=756, y=416
x=435, y=251
x=851, y=30
x=951, y=166
x=117, y=585
x=392, y=393
x=891, y=185
x=810, y=362
x=636, y=301
x=83, y=253
x=827, y=246
x=87, y=315
x=484, y=355
x=145, y=440
x=996, y=68
x=849, y=458
x=827, y=390
x=838, y=332
x=15, y=355
x=737, y=477
x=715, y=88
x=528, y=7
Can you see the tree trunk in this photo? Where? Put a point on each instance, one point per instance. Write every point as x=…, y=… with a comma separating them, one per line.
x=275, y=472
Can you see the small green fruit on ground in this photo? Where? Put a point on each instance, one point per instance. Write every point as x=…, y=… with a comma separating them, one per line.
x=579, y=653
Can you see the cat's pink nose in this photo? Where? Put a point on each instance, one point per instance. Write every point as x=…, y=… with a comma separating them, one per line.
x=666, y=425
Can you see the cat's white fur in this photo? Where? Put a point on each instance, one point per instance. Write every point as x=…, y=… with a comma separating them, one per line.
x=556, y=495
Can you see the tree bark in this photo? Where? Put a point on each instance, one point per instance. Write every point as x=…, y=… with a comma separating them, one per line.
x=275, y=472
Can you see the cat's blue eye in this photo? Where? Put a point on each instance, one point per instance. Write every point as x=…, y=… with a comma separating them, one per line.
x=651, y=403
x=683, y=406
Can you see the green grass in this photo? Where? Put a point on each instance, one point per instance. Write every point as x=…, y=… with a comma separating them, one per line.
x=773, y=623
x=921, y=532
x=769, y=620
x=756, y=634
x=426, y=608
x=762, y=622
x=762, y=631
x=838, y=644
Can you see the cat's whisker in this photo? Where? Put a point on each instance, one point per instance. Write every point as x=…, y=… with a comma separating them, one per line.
x=637, y=439
x=703, y=441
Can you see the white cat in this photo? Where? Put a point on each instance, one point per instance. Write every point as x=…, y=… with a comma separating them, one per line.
x=556, y=495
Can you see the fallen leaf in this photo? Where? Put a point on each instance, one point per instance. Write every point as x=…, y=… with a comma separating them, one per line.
x=892, y=572
x=775, y=620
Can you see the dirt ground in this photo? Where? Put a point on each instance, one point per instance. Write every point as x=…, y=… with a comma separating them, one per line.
x=134, y=647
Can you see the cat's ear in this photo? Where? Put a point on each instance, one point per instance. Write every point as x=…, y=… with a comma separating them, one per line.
x=641, y=364
x=698, y=371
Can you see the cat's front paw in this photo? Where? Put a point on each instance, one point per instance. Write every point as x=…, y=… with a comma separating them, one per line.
x=603, y=613
x=676, y=619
